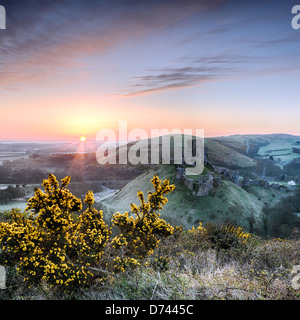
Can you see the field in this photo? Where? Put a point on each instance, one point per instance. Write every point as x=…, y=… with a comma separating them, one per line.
x=281, y=151
x=15, y=204
x=11, y=156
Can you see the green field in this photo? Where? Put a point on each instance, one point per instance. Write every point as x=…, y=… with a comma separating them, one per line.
x=15, y=204
x=280, y=150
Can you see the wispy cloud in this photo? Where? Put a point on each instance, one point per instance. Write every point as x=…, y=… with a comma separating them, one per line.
x=272, y=43
x=196, y=72
x=44, y=36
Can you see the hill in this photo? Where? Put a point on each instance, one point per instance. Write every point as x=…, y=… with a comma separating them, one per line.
x=228, y=202
x=229, y=155
x=237, y=152
x=242, y=151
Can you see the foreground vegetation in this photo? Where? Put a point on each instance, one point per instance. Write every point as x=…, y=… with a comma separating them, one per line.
x=55, y=251
x=185, y=266
x=54, y=244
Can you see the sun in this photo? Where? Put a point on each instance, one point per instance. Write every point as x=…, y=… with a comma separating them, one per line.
x=82, y=139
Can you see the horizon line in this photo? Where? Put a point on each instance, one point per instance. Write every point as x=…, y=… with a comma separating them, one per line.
x=94, y=140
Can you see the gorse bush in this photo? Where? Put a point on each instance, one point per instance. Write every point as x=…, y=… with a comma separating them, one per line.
x=139, y=235
x=228, y=241
x=47, y=245
x=227, y=236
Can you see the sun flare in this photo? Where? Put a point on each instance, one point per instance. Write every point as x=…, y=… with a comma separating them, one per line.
x=82, y=139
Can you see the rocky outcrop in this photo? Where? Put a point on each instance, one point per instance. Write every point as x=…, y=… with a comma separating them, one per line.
x=207, y=163
x=277, y=186
x=189, y=183
x=245, y=182
x=230, y=175
x=206, y=183
x=201, y=185
x=263, y=183
x=180, y=171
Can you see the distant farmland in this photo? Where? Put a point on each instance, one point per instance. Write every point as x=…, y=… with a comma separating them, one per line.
x=11, y=156
x=280, y=149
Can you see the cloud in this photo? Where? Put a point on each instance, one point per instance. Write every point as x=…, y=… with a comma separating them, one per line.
x=200, y=70
x=46, y=35
x=272, y=43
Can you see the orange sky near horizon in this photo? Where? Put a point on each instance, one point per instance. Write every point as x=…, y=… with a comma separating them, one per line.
x=69, y=118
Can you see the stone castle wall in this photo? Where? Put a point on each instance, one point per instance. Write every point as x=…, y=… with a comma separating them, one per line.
x=201, y=185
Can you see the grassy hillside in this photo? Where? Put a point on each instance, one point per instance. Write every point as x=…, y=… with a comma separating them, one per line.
x=228, y=150
x=228, y=202
x=236, y=151
x=122, y=199
x=222, y=155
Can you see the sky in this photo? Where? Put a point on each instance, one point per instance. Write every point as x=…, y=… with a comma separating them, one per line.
x=72, y=67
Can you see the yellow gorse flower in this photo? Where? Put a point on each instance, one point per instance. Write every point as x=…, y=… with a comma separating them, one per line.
x=139, y=235
x=47, y=245
x=89, y=198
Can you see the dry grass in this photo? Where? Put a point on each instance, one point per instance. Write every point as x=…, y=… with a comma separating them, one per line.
x=184, y=268
x=263, y=273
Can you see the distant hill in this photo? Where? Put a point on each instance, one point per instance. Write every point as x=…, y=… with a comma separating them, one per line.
x=238, y=151
x=230, y=156
x=235, y=151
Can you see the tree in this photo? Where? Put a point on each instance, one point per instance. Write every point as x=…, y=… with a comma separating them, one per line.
x=280, y=220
